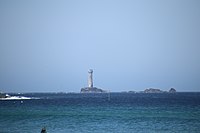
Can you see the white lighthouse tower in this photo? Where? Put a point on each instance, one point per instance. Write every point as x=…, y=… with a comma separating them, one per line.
x=91, y=88
x=90, y=78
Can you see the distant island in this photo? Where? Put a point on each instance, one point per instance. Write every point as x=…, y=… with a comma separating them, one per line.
x=90, y=88
x=152, y=90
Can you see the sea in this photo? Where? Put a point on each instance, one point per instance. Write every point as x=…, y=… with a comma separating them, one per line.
x=101, y=113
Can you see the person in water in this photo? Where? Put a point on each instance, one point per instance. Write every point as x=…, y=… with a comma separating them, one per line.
x=43, y=130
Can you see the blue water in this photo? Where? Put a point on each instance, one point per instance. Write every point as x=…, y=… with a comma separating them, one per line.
x=99, y=113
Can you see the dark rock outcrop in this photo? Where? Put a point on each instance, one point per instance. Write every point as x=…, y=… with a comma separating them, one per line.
x=172, y=90
x=91, y=90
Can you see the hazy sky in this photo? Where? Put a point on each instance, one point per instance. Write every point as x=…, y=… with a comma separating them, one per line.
x=48, y=46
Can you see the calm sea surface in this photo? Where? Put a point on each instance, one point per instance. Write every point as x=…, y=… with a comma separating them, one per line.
x=101, y=113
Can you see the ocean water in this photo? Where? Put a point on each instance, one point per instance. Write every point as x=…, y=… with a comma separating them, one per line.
x=102, y=113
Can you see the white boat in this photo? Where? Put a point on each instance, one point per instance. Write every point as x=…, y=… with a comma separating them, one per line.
x=8, y=97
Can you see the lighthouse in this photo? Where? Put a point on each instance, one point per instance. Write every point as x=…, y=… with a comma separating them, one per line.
x=91, y=88
x=90, y=78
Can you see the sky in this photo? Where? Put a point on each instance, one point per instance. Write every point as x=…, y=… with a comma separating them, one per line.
x=49, y=45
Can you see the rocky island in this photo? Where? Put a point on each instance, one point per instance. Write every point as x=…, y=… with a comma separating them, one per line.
x=90, y=88
x=172, y=90
x=152, y=90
